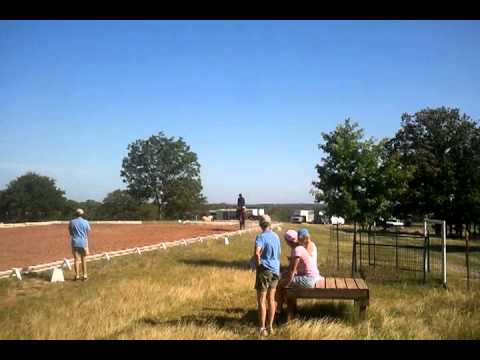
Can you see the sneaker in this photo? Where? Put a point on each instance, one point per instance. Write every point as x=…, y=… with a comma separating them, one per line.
x=85, y=278
x=271, y=331
x=263, y=332
x=76, y=278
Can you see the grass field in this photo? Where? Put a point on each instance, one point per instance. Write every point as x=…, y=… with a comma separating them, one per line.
x=205, y=291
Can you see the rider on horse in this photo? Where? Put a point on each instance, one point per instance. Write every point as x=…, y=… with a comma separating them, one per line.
x=241, y=210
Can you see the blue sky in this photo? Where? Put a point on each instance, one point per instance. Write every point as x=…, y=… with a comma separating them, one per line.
x=251, y=98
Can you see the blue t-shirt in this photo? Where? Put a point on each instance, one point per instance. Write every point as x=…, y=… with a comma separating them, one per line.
x=269, y=242
x=79, y=229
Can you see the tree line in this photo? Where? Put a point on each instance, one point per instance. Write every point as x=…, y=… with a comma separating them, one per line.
x=162, y=175
x=430, y=168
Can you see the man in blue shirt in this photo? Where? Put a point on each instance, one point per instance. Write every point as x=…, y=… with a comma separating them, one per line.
x=79, y=229
x=267, y=259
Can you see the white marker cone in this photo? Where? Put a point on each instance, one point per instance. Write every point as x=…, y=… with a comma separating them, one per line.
x=57, y=275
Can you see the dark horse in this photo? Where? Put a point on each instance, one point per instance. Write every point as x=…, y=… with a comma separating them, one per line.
x=242, y=215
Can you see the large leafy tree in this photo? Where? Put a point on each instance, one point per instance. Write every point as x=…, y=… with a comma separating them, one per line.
x=32, y=197
x=359, y=179
x=120, y=205
x=342, y=174
x=164, y=170
x=442, y=146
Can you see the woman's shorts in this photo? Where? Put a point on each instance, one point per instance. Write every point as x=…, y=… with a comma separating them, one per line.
x=265, y=279
x=79, y=250
x=303, y=282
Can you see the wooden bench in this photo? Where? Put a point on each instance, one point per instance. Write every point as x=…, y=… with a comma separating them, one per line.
x=331, y=288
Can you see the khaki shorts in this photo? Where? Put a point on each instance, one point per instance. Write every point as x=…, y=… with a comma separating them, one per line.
x=265, y=279
x=79, y=250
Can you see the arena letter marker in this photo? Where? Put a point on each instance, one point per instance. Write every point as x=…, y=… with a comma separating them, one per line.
x=16, y=273
x=138, y=251
x=185, y=242
x=57, y=275
x=164, y=246
x=107, y=256
x=226, y=241
x=66, y=263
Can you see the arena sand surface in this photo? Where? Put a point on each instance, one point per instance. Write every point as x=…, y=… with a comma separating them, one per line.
x=28, y=246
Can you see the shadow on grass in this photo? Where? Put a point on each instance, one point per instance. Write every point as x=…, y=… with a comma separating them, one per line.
x=43, y=275
x=236, y=264
x=239, y=319
x=342, y=311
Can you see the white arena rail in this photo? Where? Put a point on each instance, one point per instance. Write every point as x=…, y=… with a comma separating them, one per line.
x=17, y=272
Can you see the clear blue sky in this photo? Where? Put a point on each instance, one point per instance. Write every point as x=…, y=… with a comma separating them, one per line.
x=251, y=98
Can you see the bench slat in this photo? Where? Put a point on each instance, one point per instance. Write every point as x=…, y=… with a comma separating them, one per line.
x=351, y=284
x=361, y=283
x=320, y=284
x=330, y=283
x=340, y=282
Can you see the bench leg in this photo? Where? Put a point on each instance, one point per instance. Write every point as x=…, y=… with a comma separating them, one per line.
x=362, y=307
x=291, y=308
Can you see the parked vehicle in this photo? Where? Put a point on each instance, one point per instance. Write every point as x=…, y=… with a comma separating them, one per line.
x=302, y=216
x=394, y=222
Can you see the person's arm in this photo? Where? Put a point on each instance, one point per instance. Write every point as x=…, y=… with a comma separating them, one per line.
x=293, y=269
x=258, y=253
x=257, y=250
x=70, y=228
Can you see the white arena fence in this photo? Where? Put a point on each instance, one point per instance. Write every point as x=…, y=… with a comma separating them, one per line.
x=118, y=222
x=44, y=223
x=17, y=272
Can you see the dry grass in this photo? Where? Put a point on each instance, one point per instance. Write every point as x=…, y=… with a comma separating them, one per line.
x=205, y=291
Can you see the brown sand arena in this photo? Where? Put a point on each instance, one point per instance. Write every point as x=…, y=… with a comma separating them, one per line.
x=28, y=246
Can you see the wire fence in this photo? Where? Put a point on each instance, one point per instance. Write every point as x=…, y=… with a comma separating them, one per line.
x=397, y=254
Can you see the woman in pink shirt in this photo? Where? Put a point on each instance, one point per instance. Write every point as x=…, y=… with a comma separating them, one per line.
x=302, y=272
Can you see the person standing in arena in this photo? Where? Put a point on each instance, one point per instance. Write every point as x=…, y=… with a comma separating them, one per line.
x=79, y=229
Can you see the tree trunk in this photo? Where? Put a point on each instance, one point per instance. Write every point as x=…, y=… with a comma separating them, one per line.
x=159, y=210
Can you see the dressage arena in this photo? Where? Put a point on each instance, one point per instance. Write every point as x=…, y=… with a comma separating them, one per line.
x=32, y=245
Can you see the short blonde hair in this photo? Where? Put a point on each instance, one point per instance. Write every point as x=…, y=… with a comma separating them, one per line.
x=79, y=212
x=265, y=221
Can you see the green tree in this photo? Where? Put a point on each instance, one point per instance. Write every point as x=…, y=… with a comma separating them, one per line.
x=359, y=179
x=164, y=170
x=341, y=175
x=441, y=145
x=32, y=197
x=120, y=205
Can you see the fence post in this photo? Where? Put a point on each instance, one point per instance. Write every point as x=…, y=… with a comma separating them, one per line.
x=374, y=246
x=360, y=267
x=396, y=249
x=338, y=252
x=467, y=260
x=354, y=250
x=444, y=263
x=425, y=262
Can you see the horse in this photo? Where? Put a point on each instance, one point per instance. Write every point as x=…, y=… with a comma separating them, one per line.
x=242, y=215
